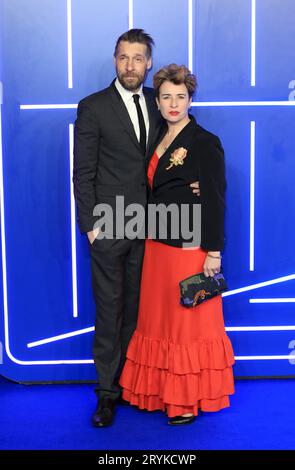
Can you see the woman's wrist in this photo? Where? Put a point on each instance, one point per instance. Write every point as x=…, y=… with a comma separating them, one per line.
x=214, y=254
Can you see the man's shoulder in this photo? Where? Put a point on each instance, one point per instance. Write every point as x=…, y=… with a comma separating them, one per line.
x=96, y=98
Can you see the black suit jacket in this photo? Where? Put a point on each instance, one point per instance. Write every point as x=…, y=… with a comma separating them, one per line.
x=204, y=162
x=108, y=160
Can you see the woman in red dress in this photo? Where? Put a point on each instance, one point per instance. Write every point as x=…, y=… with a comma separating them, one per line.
x=179, y=360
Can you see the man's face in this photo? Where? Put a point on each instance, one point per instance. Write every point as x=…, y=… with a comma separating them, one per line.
x=131, y=64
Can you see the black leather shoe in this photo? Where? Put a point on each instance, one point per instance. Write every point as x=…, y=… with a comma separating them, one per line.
x=179, y=420
x=104, y=414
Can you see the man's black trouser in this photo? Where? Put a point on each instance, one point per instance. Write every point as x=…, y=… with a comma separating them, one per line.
x=116, y=273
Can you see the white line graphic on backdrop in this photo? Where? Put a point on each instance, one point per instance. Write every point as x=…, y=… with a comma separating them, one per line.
x=70, y=47
x=269, y=300
x=252, y=193
x=60, y=337
x=195, y=103
x=3, y=238
x=73, y=225
x=190, y=35
x=253, y=42
x=259, y=285
x=83, y=331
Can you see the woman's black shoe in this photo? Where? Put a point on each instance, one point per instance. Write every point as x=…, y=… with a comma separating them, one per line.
x=178, y=420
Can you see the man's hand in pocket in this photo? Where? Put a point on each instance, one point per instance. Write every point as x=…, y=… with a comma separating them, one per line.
x=92, y=235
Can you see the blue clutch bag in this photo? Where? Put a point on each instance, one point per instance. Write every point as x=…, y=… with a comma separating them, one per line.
x=198, y=288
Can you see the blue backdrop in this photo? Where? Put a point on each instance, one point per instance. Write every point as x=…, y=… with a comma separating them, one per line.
x=54, y=53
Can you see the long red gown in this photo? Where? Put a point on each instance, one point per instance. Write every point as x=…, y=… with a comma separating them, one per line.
x=178, y=359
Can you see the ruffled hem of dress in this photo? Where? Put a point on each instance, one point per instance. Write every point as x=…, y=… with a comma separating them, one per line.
x=178, y=378
x=204, y=353
x=155, y=403
x=174, y=389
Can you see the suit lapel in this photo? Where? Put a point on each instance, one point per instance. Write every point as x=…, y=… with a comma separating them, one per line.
x=181, y=140
x=122, y=113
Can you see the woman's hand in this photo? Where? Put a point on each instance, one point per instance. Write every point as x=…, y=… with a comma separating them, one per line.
x=212, y=265
x=196, y=188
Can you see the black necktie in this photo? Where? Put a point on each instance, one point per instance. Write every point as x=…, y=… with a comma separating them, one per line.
x=142, y=129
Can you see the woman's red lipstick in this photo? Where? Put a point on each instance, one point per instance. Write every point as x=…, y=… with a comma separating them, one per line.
x=174, y=113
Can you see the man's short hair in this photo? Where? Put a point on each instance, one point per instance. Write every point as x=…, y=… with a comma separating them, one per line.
x=137, y=35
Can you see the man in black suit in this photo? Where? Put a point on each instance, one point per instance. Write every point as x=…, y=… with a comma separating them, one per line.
x=114, y=132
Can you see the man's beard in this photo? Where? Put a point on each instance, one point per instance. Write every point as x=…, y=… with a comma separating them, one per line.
x=131, y=85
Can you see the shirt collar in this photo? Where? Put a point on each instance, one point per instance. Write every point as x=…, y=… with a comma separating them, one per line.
x=126, y=94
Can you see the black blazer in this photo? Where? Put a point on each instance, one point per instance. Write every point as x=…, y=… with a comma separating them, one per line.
x=204, y=162
x=108, y=159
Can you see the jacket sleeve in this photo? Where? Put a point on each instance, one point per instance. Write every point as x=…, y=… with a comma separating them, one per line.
x=86, y=147
x=212, y=194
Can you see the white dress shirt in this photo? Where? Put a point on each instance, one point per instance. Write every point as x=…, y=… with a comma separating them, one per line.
x=127, y=97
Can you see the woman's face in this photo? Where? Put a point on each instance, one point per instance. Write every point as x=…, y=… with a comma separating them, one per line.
x=173, y=101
